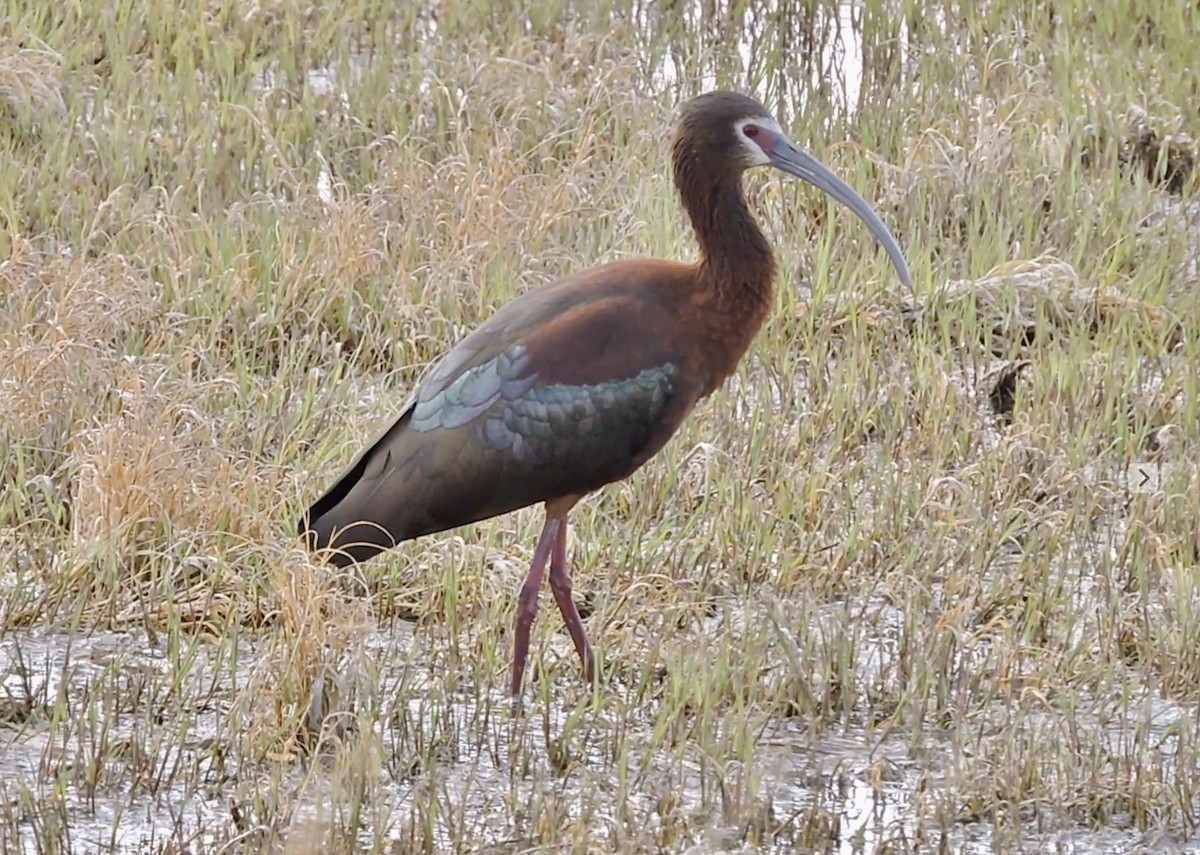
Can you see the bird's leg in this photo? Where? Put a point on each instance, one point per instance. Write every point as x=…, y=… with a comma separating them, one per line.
x=560, y=585
x=527, y=602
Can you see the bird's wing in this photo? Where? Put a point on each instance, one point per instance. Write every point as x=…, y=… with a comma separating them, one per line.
x=555, y=395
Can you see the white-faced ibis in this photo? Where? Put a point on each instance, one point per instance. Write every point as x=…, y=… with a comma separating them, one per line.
x=575, y=385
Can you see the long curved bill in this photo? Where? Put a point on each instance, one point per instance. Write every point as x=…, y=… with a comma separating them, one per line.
x=785, y=155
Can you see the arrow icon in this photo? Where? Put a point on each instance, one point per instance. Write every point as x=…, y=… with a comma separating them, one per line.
x=1152, y=476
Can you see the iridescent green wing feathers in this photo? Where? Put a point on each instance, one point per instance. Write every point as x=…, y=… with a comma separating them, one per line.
x=545, y=424
x=548, y=398
x=597, y=426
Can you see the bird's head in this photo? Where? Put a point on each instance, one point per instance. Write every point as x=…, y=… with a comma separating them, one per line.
x=719, y=132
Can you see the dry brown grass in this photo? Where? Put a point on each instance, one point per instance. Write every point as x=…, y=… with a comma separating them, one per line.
x=857, y=605
x=30, y=80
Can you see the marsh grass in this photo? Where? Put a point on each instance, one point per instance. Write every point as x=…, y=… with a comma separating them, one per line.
x=850, y=608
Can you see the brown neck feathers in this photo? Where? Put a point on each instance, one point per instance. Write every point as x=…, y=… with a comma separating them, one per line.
x=737, y=260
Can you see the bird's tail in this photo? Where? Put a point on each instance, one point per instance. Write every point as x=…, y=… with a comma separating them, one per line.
x=340, y=528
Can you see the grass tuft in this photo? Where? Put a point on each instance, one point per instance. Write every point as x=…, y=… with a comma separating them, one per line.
x=899, y=586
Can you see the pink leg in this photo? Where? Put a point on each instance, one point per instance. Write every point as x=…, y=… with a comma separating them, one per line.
x=560, y=585
x=527, y=602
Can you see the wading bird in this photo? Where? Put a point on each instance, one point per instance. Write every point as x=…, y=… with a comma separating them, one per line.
x=577, y=384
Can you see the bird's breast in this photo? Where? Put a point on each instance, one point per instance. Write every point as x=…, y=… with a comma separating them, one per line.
x=722, y=334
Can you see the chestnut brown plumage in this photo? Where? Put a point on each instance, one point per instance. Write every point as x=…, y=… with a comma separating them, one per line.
x=577, y=384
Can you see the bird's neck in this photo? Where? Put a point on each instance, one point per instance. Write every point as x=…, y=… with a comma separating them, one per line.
x=737, y=263
x=736, y=270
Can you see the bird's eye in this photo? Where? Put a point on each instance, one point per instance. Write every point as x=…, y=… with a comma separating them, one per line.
x=750, y=131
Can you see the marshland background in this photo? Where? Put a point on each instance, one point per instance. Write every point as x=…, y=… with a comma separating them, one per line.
x=892, y=590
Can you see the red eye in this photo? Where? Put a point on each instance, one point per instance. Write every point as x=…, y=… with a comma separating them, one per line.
x=751, y=131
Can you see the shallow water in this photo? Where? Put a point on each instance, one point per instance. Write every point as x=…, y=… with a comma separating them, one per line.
x=136, y=748
x=869, y=789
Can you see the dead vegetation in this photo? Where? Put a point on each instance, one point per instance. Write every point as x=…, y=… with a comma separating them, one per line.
x=1167, y=161
x=31, y=86
x=893, y=590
